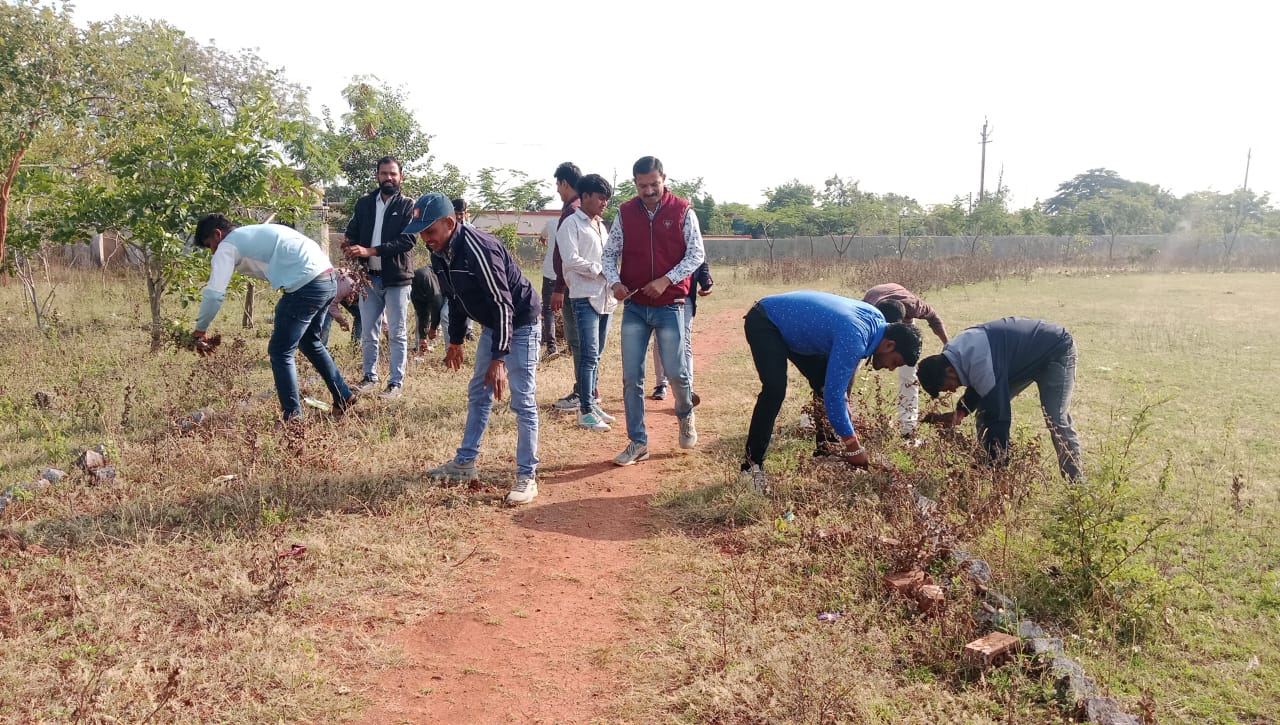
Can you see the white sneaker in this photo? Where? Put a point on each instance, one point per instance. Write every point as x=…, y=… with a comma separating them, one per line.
x=591, y=421
x=688, y=433
x=524, y=491
x=567, y=403
x=603, y=415
x=455, y=472
x=634, y=453
x=755, y=479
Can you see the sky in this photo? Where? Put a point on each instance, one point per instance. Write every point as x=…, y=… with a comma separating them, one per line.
x=750, y=95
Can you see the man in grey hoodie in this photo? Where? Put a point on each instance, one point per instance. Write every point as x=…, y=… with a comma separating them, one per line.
x=997, y=360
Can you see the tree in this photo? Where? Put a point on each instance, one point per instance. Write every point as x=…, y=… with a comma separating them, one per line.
x=791, y=194
x=1125, y=212
x=1090, y=184
x=41, y=85
x=378, y=124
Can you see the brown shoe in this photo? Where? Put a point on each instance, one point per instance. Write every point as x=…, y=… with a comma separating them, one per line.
x=345, y=407
x=696, y=399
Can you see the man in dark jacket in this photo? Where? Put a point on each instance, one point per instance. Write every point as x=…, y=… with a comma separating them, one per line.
x=997, y=360
x=427, y=302
x=483, y=282
x=376, y=236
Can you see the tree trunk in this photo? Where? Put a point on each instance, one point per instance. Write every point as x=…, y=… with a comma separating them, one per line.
x=155, y=291
x=247, y=320
x=5, y=188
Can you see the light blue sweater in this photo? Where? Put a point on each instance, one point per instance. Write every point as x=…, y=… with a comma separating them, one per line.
x=283, y=256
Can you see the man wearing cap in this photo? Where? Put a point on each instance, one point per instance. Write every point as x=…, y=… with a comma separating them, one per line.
x=997, y=360
x=484, y=283
x=653, y=249
x=898, y=304
x=291, y=262
x=376, y=236
x=825, y=336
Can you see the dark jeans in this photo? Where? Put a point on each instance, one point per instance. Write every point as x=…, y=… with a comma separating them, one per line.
x=770, y=353
x=549, y=317
x=299, y=317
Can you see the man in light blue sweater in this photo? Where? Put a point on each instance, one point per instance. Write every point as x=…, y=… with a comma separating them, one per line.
x=293, y=263
x=997, y=360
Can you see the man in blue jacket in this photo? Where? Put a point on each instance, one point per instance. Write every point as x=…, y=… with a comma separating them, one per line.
x=825, y=336
x=484, y=283
x=997, y=360
x=293, y=263
x=377, y=238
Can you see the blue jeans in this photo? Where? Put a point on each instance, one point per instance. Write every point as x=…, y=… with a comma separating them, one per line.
x=593, y=328
x=522, y=362
x=299, y=317
x=659, y=372
x=639, y=323
x=395, y=301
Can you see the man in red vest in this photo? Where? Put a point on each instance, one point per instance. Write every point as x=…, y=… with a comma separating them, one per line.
x=656, y=240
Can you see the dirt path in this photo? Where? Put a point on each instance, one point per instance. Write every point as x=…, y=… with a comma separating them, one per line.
x=530, y=616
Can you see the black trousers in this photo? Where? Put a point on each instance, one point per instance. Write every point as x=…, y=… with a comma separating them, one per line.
x=770, y=353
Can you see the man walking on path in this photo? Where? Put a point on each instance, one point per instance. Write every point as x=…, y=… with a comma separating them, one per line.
x=653, y=249
x=908, y=309
x=376, y=236
x=291, y=262
x=825, y=336
x=484, y=283
x=997, y=360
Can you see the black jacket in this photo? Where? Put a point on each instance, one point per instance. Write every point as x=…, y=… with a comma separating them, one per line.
x=481, y=279
x=396, y=249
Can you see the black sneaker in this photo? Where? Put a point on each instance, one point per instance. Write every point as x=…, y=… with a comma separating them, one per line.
x=392, y=392
x=659, y=393
x=367, y=383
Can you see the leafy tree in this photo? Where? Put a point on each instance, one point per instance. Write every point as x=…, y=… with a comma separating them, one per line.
x=1090, y=184
x=378, y=124
x=1126, y=212
x=791, y=194
x=41, y=85
x=840, y=192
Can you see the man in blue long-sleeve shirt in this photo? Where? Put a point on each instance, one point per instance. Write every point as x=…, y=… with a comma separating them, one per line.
x=997, y=360
x=826, y=336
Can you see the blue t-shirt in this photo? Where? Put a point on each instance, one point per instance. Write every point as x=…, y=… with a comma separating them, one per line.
x=820, y=323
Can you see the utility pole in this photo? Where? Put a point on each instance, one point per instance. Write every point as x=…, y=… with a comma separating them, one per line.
x=1248, y=159
x=982, y=174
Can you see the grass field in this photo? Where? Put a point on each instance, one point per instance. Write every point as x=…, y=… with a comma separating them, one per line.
x=160, y=594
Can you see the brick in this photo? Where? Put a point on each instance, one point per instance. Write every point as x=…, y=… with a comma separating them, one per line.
x=990, y=650
x=931, y=599
x=906, y=582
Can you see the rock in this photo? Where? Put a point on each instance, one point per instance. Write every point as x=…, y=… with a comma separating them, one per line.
x=196, y=418
x=1070, y=682
x=990, y=650
x=1106, y=711
x=106, y=474
x=39, y=484
x=91, y=460
x=1044, y=647
x=52, y=475
x=975, y=570
x=1028, y=629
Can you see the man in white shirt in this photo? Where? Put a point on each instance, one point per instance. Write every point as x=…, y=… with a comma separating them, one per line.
x=580, y=240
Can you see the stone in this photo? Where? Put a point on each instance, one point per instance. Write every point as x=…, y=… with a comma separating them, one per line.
x=91, y=460
x=1044, y=647
x=52, y=475
x=931, y=599
x=976, y=570
x=104, y=474
x=1028, y=629
x=1069, y=681
x=906, y=582
x=1106, y=711
x=990, y=650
